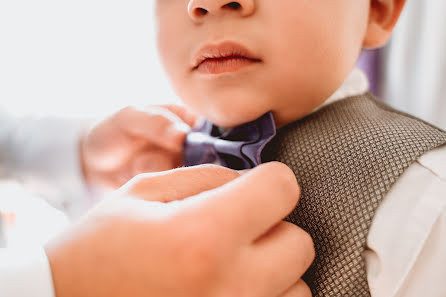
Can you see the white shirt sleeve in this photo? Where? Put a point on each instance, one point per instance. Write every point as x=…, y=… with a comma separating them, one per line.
x=407, y=243
x=43, y=154
x=25, y=273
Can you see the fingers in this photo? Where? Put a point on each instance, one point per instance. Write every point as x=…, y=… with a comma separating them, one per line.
x=179, y=183
x=286, y=252
x=183, y=113
x=299, y=289
x=154, y=160
x=156, y=124
x=250, y=205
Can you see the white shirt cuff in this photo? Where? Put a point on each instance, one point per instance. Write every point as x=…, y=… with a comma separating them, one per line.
x=43, y=153
x=25, y=272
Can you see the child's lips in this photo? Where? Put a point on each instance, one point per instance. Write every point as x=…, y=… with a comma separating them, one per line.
x=223, y=58
x=224, y=65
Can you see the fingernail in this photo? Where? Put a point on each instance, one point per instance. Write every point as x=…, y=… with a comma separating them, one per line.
x=173, y=133
x=182, y=127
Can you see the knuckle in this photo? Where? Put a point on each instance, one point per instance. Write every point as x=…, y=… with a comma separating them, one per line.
x=126, y=111
x=159, y=122
x=305, y=251
x=140, y=184
x=160, y=118
x=287, y=226
x=307, y=245
x=285, y=181
x=299, y=289
x=142, y=179
x=304, y=289
x=122, y=116
x=162, y=114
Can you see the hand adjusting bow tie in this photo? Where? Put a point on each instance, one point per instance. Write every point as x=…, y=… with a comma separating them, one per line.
x=238, y=148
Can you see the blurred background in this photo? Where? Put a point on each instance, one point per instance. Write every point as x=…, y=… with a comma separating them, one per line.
x=83, y=57
x=410, y=73
x=90, y=57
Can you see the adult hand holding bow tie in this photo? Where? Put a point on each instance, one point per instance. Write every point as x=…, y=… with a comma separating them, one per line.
x=215, y=233
x=134, y=141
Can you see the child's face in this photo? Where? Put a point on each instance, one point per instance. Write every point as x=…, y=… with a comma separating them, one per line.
x=300, y=52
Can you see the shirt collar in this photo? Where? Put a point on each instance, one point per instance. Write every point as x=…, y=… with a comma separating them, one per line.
x=355, y=84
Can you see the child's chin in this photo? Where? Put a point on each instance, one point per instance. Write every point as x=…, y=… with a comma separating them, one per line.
x=229, y=108
x=234, y=118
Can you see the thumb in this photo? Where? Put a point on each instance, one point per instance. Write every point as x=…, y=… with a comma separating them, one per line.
x=179, y=183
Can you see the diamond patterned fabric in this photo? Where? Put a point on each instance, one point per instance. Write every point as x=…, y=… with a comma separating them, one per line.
x=346, y=157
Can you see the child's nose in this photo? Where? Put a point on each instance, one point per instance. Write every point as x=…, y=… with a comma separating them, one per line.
x=198, y=9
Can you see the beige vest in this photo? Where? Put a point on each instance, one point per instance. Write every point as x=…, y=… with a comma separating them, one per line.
x=346, y=157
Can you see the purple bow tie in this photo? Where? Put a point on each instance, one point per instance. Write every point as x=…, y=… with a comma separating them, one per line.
x=238, y=148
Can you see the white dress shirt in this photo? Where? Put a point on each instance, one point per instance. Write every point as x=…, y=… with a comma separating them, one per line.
x=406, y=244
x=405, y=255
x=42, y=153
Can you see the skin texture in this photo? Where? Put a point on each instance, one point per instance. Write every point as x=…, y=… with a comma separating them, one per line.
x=226, y=241
x=216, y=233
x=307, y=49
x=134, y=141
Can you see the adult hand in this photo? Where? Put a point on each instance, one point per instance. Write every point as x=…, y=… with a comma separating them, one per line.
x=134, y=141
x=225, y=237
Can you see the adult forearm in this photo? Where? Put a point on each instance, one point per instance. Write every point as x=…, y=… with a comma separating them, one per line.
x=43, y=154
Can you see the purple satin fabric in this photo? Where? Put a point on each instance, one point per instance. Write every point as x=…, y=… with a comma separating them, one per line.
x=239, y=148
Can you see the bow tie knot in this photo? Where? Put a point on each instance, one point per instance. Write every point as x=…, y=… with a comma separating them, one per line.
x=238, y=148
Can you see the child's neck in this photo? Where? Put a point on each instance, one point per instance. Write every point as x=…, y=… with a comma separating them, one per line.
x=355, y=84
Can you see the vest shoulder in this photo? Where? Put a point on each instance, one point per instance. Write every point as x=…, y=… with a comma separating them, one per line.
x=362, y=125
x=358, y=117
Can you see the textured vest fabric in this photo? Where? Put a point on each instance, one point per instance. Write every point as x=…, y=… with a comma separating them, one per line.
x=346, y=157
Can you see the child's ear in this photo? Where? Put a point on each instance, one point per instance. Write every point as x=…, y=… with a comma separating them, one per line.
x=382, y=19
